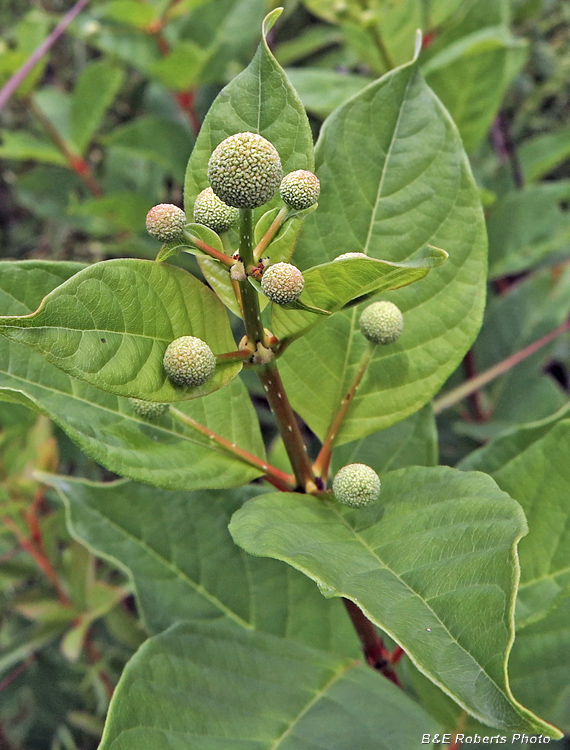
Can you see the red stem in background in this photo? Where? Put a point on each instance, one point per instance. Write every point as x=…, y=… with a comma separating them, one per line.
x=473, y=384
x=475, y=397
x=396, y=655
x=20, y=669
x=19, y=76
x=375, y=653
x=37, y=552
x=505, y=148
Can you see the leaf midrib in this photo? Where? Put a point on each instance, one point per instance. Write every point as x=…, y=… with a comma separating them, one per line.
x=198, y=588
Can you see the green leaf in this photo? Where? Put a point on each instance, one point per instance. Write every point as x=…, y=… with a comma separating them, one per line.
x=94, y=93
x=162, y=452
x=531, y=464
x=259, y=100
x=283, y=244
x=433, y=563
x=394, y=178
x=110, y=325
x=540, y=155
x=332, y=286
x=180, y=69
x=23, y=146
x=472, y=75
x=214, y=686
x=179, y=553
x=412, y=442
x=131, y=12
x=322, y=91
x=540, y=666
x=155, y=139
x=526, y=226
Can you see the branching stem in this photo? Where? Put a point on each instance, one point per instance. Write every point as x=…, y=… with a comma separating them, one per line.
x=321, y=465
x=280, y=479
x=249, y=299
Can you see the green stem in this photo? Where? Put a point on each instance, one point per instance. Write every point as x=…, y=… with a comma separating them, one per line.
x=249, y=297
x=473, y=384
x=382, y=49
x=321, y=465
x=276, y=225
x=278, y=478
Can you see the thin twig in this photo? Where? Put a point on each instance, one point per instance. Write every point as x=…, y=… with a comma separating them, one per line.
x=475, y=398
x=321, y=465
x=275, y=226
x=277, y=477
x=41, y=559
x=505, y=148
x=19, y=76
x=17, y=672
x=473, y=384
x=75, y=161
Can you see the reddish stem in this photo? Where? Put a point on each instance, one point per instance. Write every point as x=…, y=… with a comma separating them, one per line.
x=396, y=655
x=75, y=161
x=20, y=75
x=17, y=672
x=375, y=653
x=38, y=554
x=505, y=148
x=473, y=384
x=475, y=397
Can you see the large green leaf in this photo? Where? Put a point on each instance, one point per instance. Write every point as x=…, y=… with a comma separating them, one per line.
x=332, y=286
x=96, y=88
x=260, y=100
x=531, y=464
x=162, y=452
x=394, y=178
x=110, y=325
x=215, y=687
x=472, y=75
x=177, y=548
x=411, y=442
x=433, y=563
x=540, y=666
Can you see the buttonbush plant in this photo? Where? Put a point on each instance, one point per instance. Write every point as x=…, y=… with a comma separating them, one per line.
x=335, y=589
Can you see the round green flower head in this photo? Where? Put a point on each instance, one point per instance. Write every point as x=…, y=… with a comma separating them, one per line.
x=356, y=485
x=245, y=170
x=282, y=283
x=148, y=409
x=165, y=222
x=210, y=211
x=382, y=322
x=344, y=256
x=189, y=361
x=300, y=189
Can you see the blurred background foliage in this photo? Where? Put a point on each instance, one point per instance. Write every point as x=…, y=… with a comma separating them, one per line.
x=102, y=129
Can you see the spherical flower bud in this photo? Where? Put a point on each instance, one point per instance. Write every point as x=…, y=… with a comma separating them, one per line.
x=282, y=283
x=356, y=485
x=300, y=189
x=382, y=322
x=210, y=211
x=245, y=170
x=344, y=256
x=147, y=409
x=165, y=222
x=189, y=361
